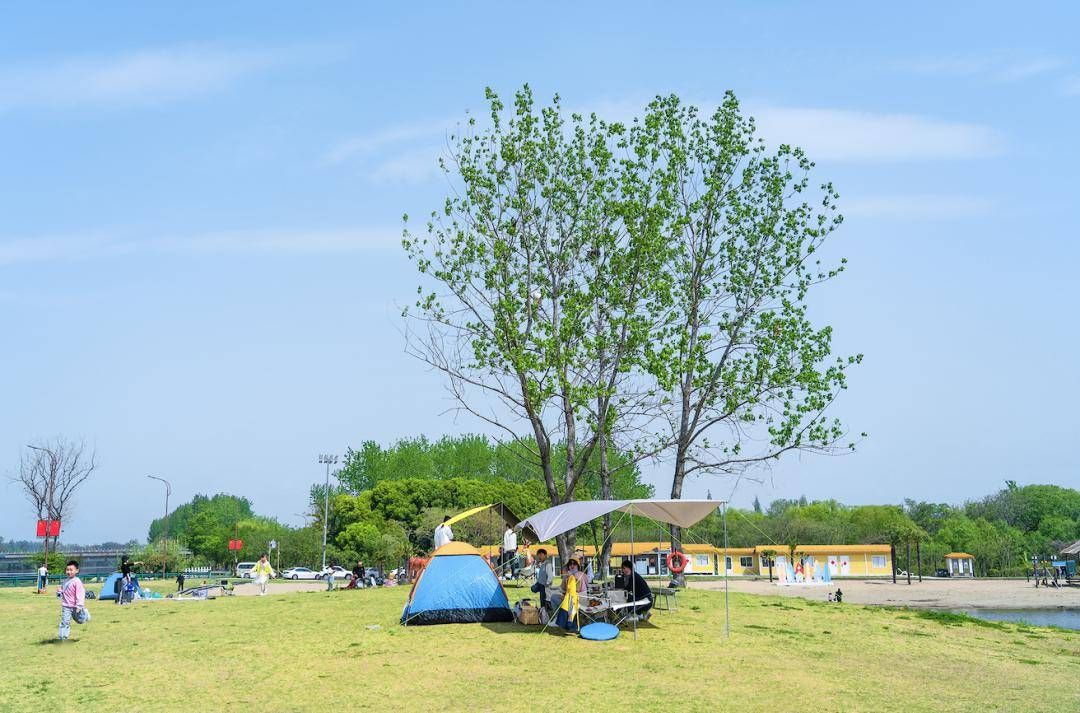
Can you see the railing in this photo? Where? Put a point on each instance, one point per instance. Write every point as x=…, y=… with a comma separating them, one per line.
x=29, y=579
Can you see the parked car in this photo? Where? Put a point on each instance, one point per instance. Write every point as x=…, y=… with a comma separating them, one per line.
x=941, y=573
x=339, y=573
x=300, y=573
x=243, y=569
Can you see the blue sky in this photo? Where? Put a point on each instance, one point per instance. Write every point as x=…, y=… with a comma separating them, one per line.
x=200, y=212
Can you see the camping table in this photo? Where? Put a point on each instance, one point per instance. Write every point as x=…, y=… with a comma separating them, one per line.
x=599, y=612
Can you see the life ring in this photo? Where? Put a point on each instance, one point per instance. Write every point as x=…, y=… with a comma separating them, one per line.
x=682, y=559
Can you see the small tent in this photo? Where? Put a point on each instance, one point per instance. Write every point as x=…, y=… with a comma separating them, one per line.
x=109, y=589
x=457, y=587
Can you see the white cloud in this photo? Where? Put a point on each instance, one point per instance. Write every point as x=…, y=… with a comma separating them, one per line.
x=998, y=68
x=70, y=248
x=928, y=206
x=844, y=135
x=409, y=153
x=141, y=77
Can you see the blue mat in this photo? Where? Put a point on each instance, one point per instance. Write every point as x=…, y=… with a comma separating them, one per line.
x=599, y=631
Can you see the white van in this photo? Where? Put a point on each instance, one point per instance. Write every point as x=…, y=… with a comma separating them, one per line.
x=243, y=570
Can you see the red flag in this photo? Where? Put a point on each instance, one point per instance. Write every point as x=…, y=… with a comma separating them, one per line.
x=41, y=528
x=54, y=528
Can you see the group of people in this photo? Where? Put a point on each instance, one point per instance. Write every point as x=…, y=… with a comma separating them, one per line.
x=564, y=602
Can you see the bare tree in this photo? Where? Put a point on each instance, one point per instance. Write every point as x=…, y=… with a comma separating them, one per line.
x=51, y=474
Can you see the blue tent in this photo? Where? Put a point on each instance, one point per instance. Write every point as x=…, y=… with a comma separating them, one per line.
x=108, y=590
x=456, y=587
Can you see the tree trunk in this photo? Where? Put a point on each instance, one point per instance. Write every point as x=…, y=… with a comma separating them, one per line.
x=676, y=494
x=605, y=494
x=907, y=560
x=892, y=557
x=918, y=556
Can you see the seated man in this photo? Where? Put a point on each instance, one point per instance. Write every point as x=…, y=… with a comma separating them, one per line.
x=636, y=588
x=544, y=577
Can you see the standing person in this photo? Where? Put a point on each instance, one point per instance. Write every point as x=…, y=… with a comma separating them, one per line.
x=262, y=572
x=180, y=582
x=443, y=533
x=509, y=547
x=357, y=576
x=329, y=573
x=125, y=578
x=42, y=578
x=544, y=577
x=72, y=601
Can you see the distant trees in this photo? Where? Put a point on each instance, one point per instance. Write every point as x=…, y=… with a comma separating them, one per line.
x=1041, y=516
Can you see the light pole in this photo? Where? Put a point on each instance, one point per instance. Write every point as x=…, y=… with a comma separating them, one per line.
x=329, y=460
x=165, y=540
x=48, y=501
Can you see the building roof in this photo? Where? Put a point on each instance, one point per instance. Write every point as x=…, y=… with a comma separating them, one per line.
x=827, y=549
x=959, y=555
x=1073, y=549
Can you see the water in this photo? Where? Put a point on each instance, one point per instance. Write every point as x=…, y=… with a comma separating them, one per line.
x=1065, y=618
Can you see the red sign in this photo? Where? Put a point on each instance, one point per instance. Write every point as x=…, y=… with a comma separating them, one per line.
x=236, y=544
x=53, y=527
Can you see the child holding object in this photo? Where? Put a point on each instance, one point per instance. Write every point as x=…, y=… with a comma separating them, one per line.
x=72, y=595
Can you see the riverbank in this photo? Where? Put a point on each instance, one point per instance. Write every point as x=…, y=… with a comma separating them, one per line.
x=930, y=593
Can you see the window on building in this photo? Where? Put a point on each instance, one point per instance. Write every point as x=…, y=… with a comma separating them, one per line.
x=746, y=561
x=877, y=561
x=701, y=560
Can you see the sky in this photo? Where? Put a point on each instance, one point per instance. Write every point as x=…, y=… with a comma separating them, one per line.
x=200, y=215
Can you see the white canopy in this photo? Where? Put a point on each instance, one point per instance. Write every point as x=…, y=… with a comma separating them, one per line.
x=563, y=518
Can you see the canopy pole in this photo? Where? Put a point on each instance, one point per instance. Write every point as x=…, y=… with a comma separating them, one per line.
x=727, y=607
x=633, y=570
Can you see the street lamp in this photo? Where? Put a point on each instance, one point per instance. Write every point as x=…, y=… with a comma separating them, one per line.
x=329, y=460
x=49, y=497
x=165, y=540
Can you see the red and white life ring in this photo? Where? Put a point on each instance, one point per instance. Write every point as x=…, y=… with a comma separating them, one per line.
x=683, y=560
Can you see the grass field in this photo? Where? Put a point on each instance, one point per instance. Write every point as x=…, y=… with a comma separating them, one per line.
x=345, y=651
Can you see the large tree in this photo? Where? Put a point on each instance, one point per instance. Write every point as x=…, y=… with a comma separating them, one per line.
x=534, y=316
x=751, y=377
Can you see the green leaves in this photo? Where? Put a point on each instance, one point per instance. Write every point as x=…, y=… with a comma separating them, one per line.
x=586, y=278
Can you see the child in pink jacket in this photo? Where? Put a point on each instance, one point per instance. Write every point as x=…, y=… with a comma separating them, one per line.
x=72, y=595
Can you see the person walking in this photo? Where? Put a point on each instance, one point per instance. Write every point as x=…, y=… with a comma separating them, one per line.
x=180, y=582
x=262, y=572
x=42, y=578
x=72, y=601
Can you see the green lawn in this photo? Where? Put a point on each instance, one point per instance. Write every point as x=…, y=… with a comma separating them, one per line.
x=290, y=652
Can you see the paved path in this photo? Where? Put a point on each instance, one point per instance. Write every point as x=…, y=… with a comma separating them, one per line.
x=931, y=593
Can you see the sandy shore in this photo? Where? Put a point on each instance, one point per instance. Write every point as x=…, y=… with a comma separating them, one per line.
x=931, y=593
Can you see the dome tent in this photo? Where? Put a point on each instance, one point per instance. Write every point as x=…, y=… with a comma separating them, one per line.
x=109, y=589
x=457, y=587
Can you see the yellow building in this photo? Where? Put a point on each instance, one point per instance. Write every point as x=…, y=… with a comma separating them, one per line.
x=651, y=558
